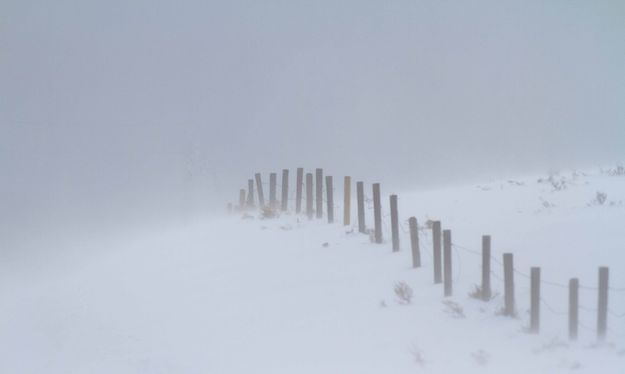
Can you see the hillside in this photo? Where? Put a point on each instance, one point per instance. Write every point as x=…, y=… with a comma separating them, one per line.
x=241, y=294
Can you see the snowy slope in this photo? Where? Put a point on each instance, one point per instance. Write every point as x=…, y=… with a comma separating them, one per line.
x=233, y=295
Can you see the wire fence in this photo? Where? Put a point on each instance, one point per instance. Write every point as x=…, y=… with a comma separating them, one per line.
x=425, y=239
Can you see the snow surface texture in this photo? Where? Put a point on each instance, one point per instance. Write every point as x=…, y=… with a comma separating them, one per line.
x=289, y=295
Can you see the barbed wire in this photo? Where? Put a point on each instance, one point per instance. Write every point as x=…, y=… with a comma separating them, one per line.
x=616, y=315
x=425, y=237
x=459, y=267
x=552, y=309
x=525, y=275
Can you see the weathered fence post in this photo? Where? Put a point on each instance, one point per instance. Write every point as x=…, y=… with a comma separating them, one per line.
x=242, y=199
x=299, y=183
x=377, y=213
x=573, y=308
x=508, y=277
x=602, y=310
x=447, y=262
x=534, y=299
x=486, y=291
x=259, y=188
x=360, y=195
x=330, y=198
x=319, y=184
x=285, y=189
x=347, y=199
x=309, y=195
x=436, y=247
x=250, y=193
x=394, y=223
x=273, y=181
x=414, y=242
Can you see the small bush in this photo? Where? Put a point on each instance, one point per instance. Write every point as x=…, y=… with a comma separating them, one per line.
x=618, y=171
x=417, y=355
x=454, y=309
x=600, y=198
x=268, y=212
x=403, y=292
x=481, y=357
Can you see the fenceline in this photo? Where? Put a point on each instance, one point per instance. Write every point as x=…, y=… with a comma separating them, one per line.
x=442, y=245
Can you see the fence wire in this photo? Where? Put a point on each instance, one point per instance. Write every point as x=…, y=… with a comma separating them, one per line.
x=425, y=240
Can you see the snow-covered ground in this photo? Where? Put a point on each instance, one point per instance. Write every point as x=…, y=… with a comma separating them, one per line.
x=234, y=295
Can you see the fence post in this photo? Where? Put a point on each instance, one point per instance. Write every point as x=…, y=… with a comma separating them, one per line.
x=273, y=181
x=299, y=183
x=573, y=308
x=394, y=223
x=330, y=198
x=309, y=195
x=347, y=199
x=436, y=248
x=486, y=291
x=285, y=189
x=319, y=184
x=242, y=199
x=259, y=187
x=535, y=300
x=602, y=310
x=360, y=195
x=250, y=193
x=508, y=275
x=414, y=242
x=447, y=261
x=377, y=213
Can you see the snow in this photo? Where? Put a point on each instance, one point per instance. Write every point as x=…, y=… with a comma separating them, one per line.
x=234, y=295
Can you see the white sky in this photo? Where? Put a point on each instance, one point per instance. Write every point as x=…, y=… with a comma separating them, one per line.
x=139, y=108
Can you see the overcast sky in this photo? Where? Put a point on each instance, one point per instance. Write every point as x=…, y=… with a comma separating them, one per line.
x=114, y=109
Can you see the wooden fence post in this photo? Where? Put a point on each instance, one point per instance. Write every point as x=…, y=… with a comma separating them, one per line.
x=508, y=275
x=436, y=247
x=447, y=262
x=250, y=193
x=259, y=188
x=377, y=213
x=242, y=199
x=330, y=198
x=534, y=300
x=285, y=189
x=573, y=308
x=319, y=184
x=273, y=181
x=309, y=195
x=299, y=183
x=414, y=242
x=394, y=223
x=486, y=291
x=602, y=310
x=347, y=199
x=360, y=195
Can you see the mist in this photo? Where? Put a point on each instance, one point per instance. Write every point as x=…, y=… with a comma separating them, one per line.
x=117, y=113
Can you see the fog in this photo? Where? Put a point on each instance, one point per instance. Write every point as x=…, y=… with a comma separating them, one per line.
x=115, y=113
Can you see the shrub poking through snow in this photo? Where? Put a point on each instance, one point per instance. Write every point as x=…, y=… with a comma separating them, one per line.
x=619, y=170
x=600, y=198
x=476, y=293
x=268, y=212
x=403, y=293
x=454, y=309
x=481, y=357
x=417, y=355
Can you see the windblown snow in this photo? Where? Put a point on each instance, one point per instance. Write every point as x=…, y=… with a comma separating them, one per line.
x=241, y=294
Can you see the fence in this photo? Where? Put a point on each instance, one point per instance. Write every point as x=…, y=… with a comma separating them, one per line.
x=442, y=245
